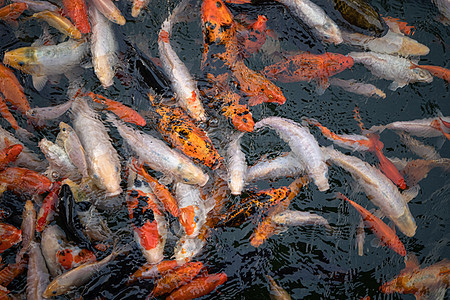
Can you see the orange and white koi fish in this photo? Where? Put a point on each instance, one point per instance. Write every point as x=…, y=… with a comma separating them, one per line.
x=59, y=22
x=378, y=188
x=124, y=112
x=386, y=235
x=436, y=71
x=72, y=257
x=77, y=12
x=198, y=287
x=176, y=278
x=303, y=145
x=192, y=208
x=430, y=282
x=183, y=84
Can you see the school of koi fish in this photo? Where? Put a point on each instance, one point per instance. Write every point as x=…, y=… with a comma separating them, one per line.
x=101, y=197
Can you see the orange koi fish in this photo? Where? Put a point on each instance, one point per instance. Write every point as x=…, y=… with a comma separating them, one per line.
x=386, y=235
x=125, y=113
x=399, y=26
x=11, y=12
x=161, y=192
x=12, y=90
x=253, y=36
x=267, y=228
x=48, y=206
x=429, y=282
x=24, y=181
x=150, y=271
x=4, y=111
x=9, y=154
x=72, y=258
x=182, y=133
x=198, y=287
x=77, y=12
x=390, y=170
x=9, y=235
x=307, y=67
x=436, y=71
x=176, y=278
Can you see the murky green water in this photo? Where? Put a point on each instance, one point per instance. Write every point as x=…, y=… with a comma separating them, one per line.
x=309, y=262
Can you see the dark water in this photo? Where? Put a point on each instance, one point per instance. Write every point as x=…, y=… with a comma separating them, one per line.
x=309, y=262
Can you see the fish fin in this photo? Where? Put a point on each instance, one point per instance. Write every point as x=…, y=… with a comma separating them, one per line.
x=394, y=86
x=39, y=82
x=54, y=79
x=440, y=142
x=411, y=193
x=411, y=262
x=376, y=243
x=321, y=85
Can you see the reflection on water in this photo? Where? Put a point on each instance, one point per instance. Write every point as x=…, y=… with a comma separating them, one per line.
x=309, y=262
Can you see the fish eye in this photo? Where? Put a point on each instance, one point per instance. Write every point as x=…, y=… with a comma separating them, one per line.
x=21, y=63
x=195, y=219
x=185, y=180
x=218, y=4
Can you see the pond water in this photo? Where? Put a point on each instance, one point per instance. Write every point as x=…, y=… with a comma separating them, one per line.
x=308, y=262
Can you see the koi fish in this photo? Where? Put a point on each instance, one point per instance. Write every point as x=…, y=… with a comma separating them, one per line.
x=430, y=282
x=284, y=165
x=110, y=11
x=316, y=18
x=307, y=67
x=28, y=227
x=150, y=271
x=392, y=43
x=77, y=12
x=78, y=276
x=360, y=88
x=276, y=291
x=299, y=218
x=72, y=257
x=24, y=181
x=159, y=156
x=48, y=207
x=7, y=115
x=199, y=286
x=192, y=208
x=38, y=277
x=436, y=71
x=124, y=112
x=386, y=235
x=39, y=115
x=398, y=26
x=187, y=247
x=10, y=236
x=12, y=90
x=42, y=61
x=102, y=158
x=252, y=36
x=236, y=165
x=378, y=188
x=59, y=22
x=149, y=224
x=37, y=6
x=267, y=227
x=182, y=133
x=11, y=12
x=418, y=169
x=12, y=270
x=393, y=68
x=60, y=164
x=159, y=190
x=303, y=145
x=176, y=278
x=389, y=169
x=9, y=154
x=183, y=84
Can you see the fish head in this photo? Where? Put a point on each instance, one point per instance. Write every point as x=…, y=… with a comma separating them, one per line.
x=103, y=67
x=320, y=177
x=23, y=59
x=260, y=24
x=107, y=176
x=193, y=175
x=216, y=19
x=14, y=151
x=236, y=182
x=420, y=75
x=405, y=223
x=330, y=32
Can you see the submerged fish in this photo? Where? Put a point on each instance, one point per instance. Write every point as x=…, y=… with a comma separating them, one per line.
x=236, y=165
x=276, y=291
x=393, y=68
x=59, y=22
x=299, y=218
x=199, y=286
x=284, y=165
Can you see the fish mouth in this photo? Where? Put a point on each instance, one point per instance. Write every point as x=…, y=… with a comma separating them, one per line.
x=114, y=193
x=406, y=223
